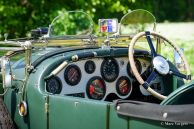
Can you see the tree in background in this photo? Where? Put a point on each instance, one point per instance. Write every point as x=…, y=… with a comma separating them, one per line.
x=18, y=17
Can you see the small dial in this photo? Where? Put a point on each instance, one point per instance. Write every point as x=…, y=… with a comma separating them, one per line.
x=109, y=69
x=123, y=86
x=90, y=67
x=138, y=66
x=96, y=88
x=72, y=75
x=53, y=85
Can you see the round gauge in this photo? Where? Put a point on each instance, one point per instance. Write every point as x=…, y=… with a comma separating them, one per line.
x=138, y=66
x=123, y=86
x=96, y=88
x=72, y=75
x=53, y=85
x=109, y=69
x=90, y=66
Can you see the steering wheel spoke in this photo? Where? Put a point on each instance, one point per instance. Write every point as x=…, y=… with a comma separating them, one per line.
x=153, y=51
x=178, y=74
x=151, y=77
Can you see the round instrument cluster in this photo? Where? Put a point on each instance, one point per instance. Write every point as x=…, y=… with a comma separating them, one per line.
x=96, y=88
x=123, y=86
x=109, y=69
x=100, y=86
x=138, y=66
x=72, y=75
x=53, y=85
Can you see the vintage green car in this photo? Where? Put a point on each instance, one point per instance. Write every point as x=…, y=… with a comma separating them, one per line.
x=126, y=76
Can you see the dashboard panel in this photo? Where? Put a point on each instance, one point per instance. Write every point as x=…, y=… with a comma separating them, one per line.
x=97, y=78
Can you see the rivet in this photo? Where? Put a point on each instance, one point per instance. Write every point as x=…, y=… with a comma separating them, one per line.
x=118, y=107
x=165, y=115
x=76, y=104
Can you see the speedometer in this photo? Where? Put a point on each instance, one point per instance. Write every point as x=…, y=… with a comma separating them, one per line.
x=109, y=69
x=72, y=75
x=96, y=88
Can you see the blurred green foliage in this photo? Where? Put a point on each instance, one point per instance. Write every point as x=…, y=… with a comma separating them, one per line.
x=18, y=17
x=71, y=23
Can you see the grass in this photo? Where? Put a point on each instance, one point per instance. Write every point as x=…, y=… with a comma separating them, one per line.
x=183, y=35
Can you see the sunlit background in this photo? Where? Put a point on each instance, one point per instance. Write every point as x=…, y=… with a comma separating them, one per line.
x=174, y=17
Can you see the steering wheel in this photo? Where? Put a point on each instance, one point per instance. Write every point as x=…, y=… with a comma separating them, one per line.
x=159, y=63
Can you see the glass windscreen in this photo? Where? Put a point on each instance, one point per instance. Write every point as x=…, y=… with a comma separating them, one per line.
x=71, y=23
x=137, y=21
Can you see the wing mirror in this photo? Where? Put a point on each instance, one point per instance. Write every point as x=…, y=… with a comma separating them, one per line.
x=178, y=61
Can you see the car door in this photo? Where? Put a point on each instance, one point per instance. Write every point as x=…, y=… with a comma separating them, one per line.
x=77, y=113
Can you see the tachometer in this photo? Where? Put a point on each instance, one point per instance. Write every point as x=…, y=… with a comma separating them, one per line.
x=138, y=66
x=90, y=67
x=123, y=86
x=96, y=88
x=53, y=85
x=109, y=69
x=72, y=75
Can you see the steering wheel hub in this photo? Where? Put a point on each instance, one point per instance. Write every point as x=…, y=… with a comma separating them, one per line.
x=161, y=65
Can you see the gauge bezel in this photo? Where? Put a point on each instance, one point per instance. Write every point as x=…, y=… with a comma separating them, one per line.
x=129, y=83
x=66, y=73
x=58, y=81
x=103, y=65
x=89, y=62
x=88, y=87
x=129, y=71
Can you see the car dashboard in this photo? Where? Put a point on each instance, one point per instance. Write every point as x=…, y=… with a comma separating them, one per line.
x=101, y=78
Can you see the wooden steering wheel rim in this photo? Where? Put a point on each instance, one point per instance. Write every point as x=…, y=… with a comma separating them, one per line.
x=133, y=66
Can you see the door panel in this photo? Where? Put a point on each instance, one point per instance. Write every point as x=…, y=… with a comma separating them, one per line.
x=77, y=113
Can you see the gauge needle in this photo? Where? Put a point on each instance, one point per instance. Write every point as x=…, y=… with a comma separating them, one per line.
x=72, y=75
x=122, y=83
x=123, y=86
x=98, y=93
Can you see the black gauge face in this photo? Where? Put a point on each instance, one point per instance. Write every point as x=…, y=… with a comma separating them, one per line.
x=109, y=69
x=90, y=67
x=72, y=75
x=53, y=85
x=96, y=88
x=138, y=66
x=123, y=86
